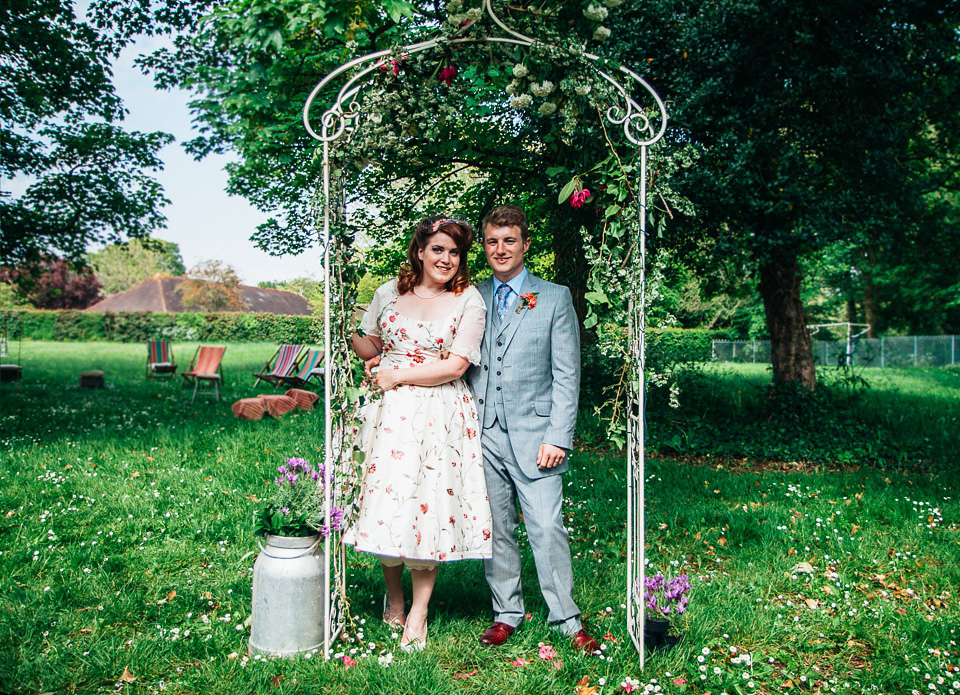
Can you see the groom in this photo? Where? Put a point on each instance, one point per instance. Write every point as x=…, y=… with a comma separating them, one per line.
x=526, y=390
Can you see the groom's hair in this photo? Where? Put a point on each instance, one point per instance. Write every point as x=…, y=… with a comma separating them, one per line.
x=507, y=216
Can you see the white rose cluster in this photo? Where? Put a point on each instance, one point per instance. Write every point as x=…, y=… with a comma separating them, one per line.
x=547, y=108
x=513, y=87
x=520, y=70
x=474, y=13
x=541, y=89
x=583, y=89
x=521, y=102
x=596, y=13
x=601, y=34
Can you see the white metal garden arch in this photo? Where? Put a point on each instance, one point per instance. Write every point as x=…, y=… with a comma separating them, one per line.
x=642, y=127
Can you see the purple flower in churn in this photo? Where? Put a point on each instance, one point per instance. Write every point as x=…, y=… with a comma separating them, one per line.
x=298, y=504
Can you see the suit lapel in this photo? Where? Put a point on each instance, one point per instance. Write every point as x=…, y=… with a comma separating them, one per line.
x=486, y=291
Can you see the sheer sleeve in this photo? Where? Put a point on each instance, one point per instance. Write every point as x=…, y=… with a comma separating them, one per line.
x=370, y=325
x=469, y=335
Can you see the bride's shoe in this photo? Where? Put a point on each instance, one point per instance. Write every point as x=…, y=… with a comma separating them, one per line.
x=395, y=620
x=417, y=644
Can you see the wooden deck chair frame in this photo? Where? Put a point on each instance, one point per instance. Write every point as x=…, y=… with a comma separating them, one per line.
x=214, y=377
x=160, y=368
x=271, y=371
x=306, y=369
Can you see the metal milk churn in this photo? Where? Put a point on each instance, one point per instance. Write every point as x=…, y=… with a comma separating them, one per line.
x=288, y=583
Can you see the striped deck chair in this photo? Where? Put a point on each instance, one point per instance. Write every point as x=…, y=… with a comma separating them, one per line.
x=160, y=359
x=310, y=366
x=205, y=367
x=283, y=363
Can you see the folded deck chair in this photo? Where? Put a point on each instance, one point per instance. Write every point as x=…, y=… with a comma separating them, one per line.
x=310, y=366
x=283, y=363
x=160, y=359
x=205, y=367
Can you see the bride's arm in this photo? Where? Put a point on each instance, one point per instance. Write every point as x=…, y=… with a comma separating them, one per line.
x=434, y=374
x=366, y=341
x=366, y=346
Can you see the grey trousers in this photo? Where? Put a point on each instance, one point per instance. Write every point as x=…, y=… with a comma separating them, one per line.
x=541, y=500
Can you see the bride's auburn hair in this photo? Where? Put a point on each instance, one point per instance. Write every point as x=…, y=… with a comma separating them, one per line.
x=411, y=272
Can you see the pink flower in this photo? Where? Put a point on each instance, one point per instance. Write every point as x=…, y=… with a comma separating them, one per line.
x=578, y=198
x=519, y=662
x=394, y=65
x=447, y=74
x=348, y=662
x=679, y=681
x=557, y=664
x=463, y=676
x=546, y=652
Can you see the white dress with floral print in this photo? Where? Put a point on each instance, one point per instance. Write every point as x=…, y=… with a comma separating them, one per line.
x=424, y=496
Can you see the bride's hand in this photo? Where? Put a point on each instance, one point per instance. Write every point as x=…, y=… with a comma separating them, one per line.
x=386, y=379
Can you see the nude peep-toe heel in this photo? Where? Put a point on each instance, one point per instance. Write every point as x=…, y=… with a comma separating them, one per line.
x=416, y=645
x=395, y=620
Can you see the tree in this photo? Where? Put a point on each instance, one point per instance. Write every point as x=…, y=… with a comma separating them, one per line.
x=89, y=179
x=54, y=285
x=121, y=266
x=810, y=124
x=11, y=298
x=212, y=286
x=253, y=63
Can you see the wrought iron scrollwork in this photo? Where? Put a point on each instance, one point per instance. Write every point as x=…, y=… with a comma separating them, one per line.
x=642, y=127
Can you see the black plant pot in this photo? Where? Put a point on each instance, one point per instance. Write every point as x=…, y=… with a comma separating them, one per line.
x=655, y=634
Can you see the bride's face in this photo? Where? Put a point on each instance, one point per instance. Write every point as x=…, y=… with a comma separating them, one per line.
x=440, y=258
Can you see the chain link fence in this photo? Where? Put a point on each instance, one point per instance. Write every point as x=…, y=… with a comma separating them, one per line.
x=902, y=351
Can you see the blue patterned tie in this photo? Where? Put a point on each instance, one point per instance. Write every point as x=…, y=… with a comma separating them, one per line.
x=503, y=300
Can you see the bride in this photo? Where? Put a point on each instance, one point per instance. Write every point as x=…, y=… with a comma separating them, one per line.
x=423, y=499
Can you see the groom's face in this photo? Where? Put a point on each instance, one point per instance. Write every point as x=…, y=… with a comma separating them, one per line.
x=505, y=247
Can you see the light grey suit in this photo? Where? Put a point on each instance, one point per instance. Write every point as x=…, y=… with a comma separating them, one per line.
x=526, y=388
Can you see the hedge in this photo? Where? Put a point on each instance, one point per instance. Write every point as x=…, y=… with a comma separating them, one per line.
x=668, y=347
x=135, y=327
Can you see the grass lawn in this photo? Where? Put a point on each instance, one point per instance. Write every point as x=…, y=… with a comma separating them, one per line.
x=905, y=419
x=125, y=548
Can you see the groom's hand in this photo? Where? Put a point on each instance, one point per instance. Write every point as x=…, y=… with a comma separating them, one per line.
x=550, y=456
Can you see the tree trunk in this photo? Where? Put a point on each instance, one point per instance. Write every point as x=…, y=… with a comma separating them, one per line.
x=869, y=296
x=851, y=310
x=569, y=263
x=790, y=344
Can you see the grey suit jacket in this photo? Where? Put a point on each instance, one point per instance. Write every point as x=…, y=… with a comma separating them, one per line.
x=539, y=351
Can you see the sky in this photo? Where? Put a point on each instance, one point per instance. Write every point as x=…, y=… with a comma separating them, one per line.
x=205, y=222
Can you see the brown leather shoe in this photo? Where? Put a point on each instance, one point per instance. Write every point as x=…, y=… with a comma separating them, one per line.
x=585, y=642
x=497, y=634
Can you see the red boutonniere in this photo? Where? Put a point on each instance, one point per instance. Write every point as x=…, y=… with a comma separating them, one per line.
x=527, y=301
